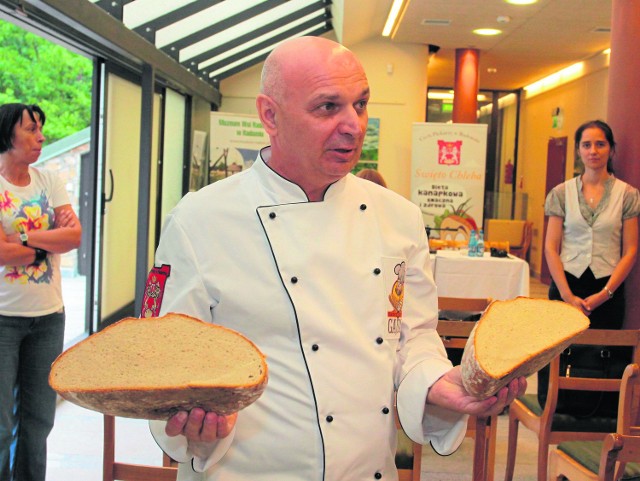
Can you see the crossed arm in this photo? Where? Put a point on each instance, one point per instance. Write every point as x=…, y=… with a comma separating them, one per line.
x=64, y=237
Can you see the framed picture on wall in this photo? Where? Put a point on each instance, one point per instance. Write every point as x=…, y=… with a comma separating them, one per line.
x=236, y=140
x=369, y=155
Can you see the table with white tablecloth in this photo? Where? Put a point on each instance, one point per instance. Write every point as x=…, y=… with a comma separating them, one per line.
x=458, y=275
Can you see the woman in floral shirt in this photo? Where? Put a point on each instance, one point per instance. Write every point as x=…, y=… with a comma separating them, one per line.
x=38, y=224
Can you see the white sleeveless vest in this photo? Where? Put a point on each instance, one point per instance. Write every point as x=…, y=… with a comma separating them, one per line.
x=597, y=246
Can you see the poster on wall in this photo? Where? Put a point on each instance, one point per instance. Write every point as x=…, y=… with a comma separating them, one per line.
x=198, y=160
x=369, y=155
x=235, y=142
x=448, y=176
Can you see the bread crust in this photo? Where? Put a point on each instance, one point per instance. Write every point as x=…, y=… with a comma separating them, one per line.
x=163, y=403
x=160, y=401
x=475, y=378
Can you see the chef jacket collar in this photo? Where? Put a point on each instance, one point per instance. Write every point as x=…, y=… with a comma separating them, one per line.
x=287, y=191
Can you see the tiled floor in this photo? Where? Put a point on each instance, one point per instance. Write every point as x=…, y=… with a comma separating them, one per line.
x=75, y=445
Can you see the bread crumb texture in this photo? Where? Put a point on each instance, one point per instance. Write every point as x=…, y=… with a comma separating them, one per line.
x=517, y=337
x=164, y=364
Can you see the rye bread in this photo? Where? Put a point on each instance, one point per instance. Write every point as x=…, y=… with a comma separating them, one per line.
x=153, y=367
x=517, y=338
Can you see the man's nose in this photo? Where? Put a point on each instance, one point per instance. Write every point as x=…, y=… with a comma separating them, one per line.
x=352, y=122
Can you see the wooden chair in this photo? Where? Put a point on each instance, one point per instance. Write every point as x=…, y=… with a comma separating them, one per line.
x=518, y=233
x=483, y=431
x=113, y=470
x=553, y=428
x=619, y=448
x=522, y=250
x=408, y=457
x=595, y=460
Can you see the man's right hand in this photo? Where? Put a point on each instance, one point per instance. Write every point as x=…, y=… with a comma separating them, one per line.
x=200, y=426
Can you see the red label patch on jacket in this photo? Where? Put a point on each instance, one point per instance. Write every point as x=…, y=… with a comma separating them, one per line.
x=154, y=290
x=395, y=270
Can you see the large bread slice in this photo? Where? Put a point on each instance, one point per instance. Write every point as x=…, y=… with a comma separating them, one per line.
x=151, y=368
x=517, y=338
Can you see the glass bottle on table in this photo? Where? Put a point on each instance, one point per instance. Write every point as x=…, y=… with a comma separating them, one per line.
x=472, y=246
x=480, y=244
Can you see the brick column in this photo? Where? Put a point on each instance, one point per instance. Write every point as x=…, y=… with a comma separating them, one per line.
x=623, y=106
x=466, y=85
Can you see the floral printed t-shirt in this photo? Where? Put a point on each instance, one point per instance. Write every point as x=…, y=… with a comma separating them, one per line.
x=35, y=289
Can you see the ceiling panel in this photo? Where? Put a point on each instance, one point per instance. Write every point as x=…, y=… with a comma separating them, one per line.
x=218, y=38
x=537, y=40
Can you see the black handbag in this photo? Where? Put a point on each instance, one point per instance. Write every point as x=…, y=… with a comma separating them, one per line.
x=587, y=361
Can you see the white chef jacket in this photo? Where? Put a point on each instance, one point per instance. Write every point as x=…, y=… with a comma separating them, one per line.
x=310, y=283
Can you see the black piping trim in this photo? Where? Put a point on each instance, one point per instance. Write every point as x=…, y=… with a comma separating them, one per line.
x=290, y=182
x=315, y=400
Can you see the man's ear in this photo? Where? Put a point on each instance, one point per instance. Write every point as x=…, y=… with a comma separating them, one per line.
x=267, y=112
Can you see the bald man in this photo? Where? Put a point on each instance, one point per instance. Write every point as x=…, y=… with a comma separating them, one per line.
x=330, y=276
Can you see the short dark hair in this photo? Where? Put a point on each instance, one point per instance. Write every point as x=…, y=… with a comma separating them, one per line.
x=10, y=116
x=608, y=133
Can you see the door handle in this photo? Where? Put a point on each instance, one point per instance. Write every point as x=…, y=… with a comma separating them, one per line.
x=106, y=199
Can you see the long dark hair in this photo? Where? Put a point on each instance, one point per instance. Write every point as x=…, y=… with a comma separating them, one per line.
x=608, y=133
x=10, y=116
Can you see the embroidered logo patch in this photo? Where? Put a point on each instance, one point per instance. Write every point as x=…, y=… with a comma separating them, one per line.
x=394, y=280
x=396, y=296
x=154, y=290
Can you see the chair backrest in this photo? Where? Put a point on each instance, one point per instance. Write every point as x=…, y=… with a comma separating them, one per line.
x=460, y=309
x=599, y=337
x=463, y=304
x=527, y=235
x=505, y=230
x=624, y=446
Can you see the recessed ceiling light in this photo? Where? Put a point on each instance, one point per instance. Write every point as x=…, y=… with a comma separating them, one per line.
x=487, y=31
x=492, y=70
x=521, y=2
x=436, y=22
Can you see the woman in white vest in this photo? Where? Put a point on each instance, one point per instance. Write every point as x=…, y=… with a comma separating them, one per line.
x=592, y=235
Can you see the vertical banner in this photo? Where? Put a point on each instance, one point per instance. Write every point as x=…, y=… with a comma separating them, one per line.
x=448, y=175
x=198, y=160
x=236, y=140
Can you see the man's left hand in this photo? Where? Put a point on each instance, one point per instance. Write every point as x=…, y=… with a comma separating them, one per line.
x=449, y=392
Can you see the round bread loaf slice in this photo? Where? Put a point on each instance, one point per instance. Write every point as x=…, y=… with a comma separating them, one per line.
x=153, y=367
x=517, y=338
